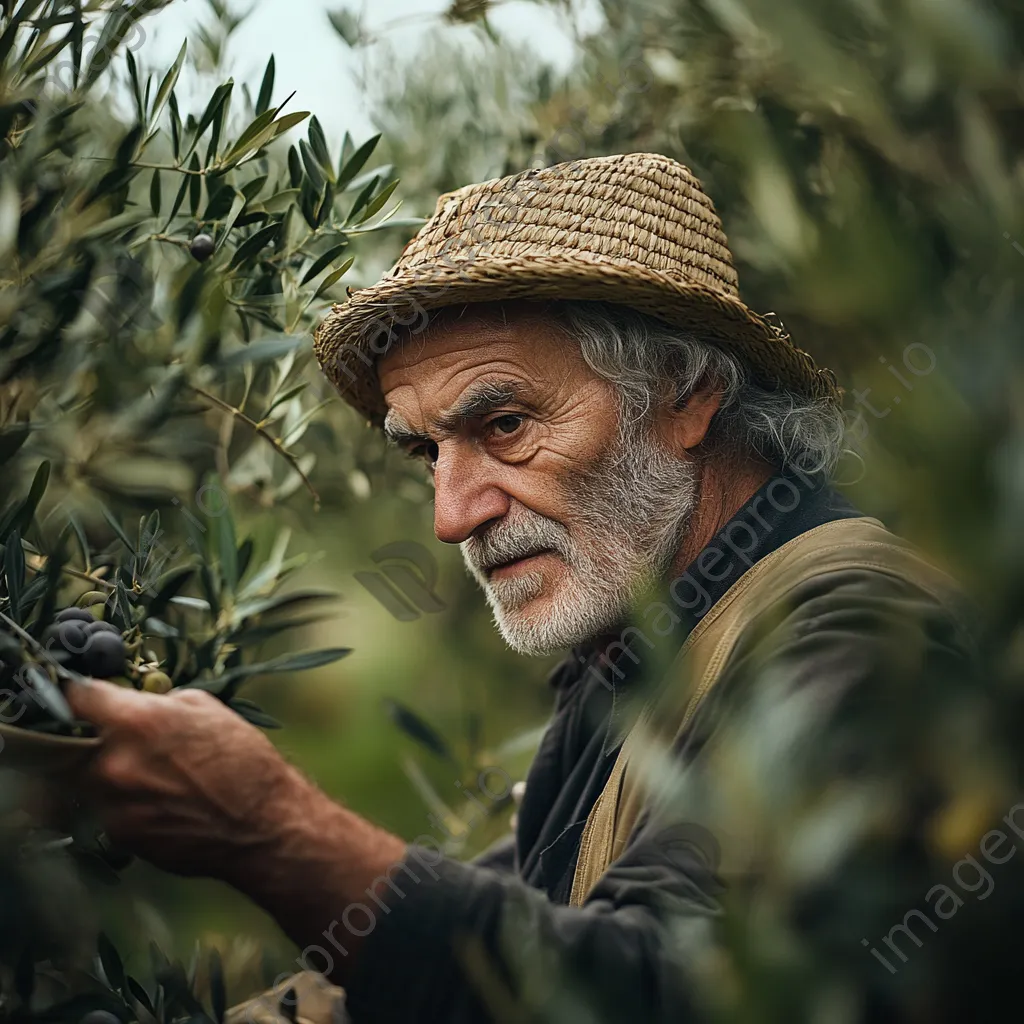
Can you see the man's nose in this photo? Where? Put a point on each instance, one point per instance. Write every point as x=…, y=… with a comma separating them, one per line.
x=466, y=494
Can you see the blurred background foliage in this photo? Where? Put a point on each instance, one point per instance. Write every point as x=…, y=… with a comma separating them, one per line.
x=867, y=159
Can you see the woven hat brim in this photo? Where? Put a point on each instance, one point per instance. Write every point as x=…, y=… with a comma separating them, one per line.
x=356, y=332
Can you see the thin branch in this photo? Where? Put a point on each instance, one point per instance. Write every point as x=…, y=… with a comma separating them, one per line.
x=180, y=243
x=66, y=569
x=201, y=173
x=274, y=442
x=78, y=574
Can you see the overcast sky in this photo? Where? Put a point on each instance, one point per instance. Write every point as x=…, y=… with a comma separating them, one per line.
x=313, y=60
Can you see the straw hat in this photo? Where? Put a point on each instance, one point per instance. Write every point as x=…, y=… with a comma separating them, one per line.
x=635, y=229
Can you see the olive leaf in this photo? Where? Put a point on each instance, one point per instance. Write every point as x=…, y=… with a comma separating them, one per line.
x=355, y=163
x=217, y=103
x=19, y=515
x=333, y=278
x=139, y=994
x=154, y=193
x=253, y=714
x=118, y=529
x=414, y=726
x=218, y=993
x=110, y=961
x=14, y=572
x=165, y=91
x=318, y=144
x=170, y=586
x=227, y=548
x=254, y=244
x=278, y=602
x=266, y=86
x=267, y=350
x=324, y=260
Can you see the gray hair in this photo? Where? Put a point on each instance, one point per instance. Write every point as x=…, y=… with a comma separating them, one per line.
x=644, y=357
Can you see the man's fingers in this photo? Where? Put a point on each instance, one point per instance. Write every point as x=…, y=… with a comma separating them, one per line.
x=99, y=702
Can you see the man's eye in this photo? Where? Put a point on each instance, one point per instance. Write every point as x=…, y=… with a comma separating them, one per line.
x=507, y=424
x=426, y=451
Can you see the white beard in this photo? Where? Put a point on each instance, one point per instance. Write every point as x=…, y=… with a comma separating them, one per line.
x=629, y=513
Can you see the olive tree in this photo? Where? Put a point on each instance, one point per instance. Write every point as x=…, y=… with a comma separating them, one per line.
x=160, y=273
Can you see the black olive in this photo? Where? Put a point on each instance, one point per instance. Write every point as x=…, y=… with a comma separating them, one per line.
x=67, y=614
x=100, y=1017
x=74, y=636
x=102, y=627
x=63, y=639
x=202, y=248
x=105, y=656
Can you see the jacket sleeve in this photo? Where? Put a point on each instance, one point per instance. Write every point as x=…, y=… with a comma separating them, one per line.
x=499, y=856
x=463, y=930
x=465, y=944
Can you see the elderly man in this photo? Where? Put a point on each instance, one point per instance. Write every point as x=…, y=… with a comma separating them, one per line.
x=635, y=466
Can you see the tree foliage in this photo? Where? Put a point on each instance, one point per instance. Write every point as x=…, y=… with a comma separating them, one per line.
x=160, y=273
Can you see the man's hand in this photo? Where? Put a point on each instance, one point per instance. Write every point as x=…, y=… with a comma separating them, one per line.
x=185, y=783
x=182, y=781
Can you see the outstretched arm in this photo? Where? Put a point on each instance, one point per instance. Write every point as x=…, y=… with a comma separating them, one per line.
x=185, y=783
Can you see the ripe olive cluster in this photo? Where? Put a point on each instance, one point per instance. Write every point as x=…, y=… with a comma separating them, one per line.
x=85, y=644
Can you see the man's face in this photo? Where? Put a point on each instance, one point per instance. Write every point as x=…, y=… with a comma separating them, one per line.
x=564, y=513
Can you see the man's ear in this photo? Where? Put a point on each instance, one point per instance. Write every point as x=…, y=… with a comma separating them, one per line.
x=685, y=426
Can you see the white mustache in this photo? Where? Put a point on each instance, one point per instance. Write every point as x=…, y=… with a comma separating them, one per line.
x=511, y=539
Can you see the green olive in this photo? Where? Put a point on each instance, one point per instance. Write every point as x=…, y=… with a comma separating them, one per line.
x=157, y=682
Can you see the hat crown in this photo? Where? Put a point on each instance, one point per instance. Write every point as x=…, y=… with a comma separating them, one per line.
x=635, y=230
x=639, y=210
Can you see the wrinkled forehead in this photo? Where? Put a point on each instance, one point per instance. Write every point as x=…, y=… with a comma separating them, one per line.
x=481, y=324
x=511, y=345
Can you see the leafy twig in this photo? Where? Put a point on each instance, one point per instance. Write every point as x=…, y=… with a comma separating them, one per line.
x=274, y=442
x=66, y=569
x=202, y=172
x=181, y=243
